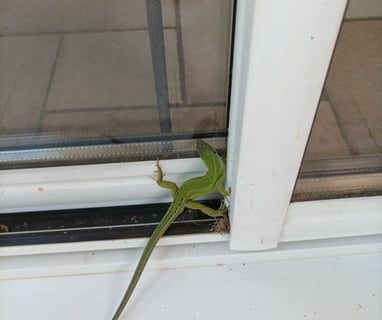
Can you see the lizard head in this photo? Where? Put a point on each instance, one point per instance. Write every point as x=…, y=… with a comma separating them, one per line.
x=202, y=146
x=204, y=149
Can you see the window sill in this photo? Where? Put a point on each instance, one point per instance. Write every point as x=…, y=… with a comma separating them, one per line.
x=92, y=282
x=310, y=220
x=343, y=219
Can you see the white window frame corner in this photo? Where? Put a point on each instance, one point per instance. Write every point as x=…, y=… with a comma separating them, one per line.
x=282, y=53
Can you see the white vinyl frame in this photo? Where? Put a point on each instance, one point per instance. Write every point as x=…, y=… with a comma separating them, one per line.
x=279, y=71
x=281, y=56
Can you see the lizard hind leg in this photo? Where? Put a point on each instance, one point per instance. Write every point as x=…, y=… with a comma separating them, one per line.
x=214, y=213
x=164, y=183
x=224, y=192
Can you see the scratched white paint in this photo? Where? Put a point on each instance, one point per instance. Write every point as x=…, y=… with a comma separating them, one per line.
x=90, y=186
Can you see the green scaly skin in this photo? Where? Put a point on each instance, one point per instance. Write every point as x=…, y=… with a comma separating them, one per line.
x=183, y=198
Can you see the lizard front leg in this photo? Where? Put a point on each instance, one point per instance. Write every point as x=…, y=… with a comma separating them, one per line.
x=164, y=183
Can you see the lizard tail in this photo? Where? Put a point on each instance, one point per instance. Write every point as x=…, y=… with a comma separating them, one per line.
x=157, y=234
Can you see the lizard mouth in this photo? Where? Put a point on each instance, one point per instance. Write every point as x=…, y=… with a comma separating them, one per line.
x=201, y=146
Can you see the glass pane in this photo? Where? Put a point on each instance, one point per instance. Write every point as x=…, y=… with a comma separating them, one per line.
x=89, y=81
x=344, y=154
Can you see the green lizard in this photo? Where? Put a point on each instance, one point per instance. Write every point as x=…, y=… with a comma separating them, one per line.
x=183, y=198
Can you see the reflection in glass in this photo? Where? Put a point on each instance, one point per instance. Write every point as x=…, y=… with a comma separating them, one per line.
x=111, y=72
x=344, y=153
